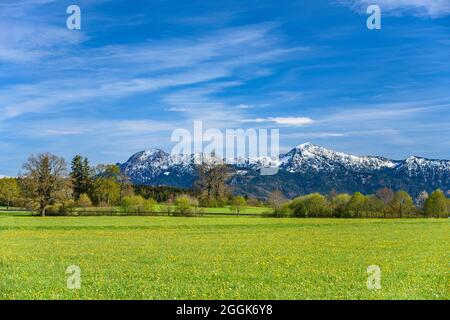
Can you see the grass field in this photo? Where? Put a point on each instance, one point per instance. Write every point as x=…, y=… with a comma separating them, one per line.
x=222, y=258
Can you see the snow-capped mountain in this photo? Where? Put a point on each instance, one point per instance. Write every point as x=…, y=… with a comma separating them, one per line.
x=156, y=167
x=308, y=157
x=306, y=168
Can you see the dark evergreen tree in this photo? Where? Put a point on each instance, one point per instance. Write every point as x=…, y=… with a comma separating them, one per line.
x=81, y=175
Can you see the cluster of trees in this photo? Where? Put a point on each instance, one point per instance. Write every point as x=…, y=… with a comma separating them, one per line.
x=162, y=193
x=47, y=185
x=385, y=203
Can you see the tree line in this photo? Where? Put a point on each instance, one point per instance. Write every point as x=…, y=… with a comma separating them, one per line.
x=48, y=185
x=384, y=204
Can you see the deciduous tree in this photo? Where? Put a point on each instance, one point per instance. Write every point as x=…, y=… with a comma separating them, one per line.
x=356, y=205
x=401, y=203
x=212, y=175
x=385, y=195
x=44, y=178
x=9, y=191
x=311, y=205
x=339, y=204
x=437, y=205
x=276, y=200
x=238, y=204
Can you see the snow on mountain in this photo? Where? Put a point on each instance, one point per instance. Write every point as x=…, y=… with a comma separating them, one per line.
x=303, y=164
x=416, y=165
x=146, y=166
x=308, y=156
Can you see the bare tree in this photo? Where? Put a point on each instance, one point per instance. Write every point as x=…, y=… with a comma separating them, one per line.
x=44, y=179
x=276, y=200
x=386, y=196
x=421, y=200
x=212, y=175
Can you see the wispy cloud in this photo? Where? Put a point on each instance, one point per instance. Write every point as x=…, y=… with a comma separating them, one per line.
x=178, y=109
x=27, y=43
x=19, y=8
x=116, y=71
x=289, y=121
x=430, y=8
x=384, y=111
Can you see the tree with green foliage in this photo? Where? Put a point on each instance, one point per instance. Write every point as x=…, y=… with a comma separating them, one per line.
x=9, y=191
x=373, y=206
x=311, y=205
x=105, y=192
x=81, y=175
x=356, y=205
x=113, y=173
x=437, y=205
x=160, y=193
x=238, y=204
x=401, y=203
x=44, y=179
x=339, y=204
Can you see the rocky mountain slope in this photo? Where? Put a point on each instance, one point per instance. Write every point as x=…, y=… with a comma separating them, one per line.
x=306, y=168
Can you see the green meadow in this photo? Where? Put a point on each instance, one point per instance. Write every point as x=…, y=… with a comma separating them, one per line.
x=226, y=257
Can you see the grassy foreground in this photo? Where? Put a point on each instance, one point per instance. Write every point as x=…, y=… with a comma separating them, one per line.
x=222, y=258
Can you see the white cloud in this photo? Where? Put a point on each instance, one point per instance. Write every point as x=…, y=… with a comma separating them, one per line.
x=244, y=106
x=178, y=109
x=318, y=135
x=430, y=8
x=64, y=132
x=290, y=121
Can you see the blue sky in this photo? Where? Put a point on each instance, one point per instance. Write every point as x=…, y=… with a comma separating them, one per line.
x=137, y=70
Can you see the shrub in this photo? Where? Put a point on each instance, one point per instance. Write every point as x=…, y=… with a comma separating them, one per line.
x=186, y=206
x=132, y=204
x=149, y=205
x=169, y=209
x=55, y=210
x=254, y=202
x=84, y=201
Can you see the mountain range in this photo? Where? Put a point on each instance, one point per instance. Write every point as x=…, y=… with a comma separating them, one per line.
x=305, y=169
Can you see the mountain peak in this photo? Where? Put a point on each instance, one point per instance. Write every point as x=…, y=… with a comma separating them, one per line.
x=306, y=145
x=144, y=155
x=306, y=168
